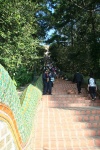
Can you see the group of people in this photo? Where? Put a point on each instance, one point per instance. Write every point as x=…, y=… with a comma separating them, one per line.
x=51, y=72
x=92, y=87
x=49, y=75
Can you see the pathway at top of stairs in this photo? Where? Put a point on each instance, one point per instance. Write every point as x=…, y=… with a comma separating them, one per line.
x=66, y=121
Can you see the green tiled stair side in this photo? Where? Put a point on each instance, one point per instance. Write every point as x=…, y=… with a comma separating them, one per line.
x=9, y=96
x=22, y=97
x=25, y=112
x=39, y=83
x=29, y=107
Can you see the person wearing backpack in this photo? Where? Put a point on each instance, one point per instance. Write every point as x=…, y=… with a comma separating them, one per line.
x=92, y=87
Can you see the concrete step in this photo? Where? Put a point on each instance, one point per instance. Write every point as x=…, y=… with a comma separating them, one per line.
x=88, y=117
x=71, y=102
x=68, y=95
x=68, y=144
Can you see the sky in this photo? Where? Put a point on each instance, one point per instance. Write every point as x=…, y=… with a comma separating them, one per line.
x=49, y=33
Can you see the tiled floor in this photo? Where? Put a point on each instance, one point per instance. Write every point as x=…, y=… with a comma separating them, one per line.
x=58, y=127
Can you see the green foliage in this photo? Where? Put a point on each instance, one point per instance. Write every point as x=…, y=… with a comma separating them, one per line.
x=23, y=76
x=75, y=41
x=76, y=25
x=18, y=35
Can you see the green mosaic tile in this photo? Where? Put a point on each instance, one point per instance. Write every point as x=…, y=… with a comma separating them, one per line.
x=24, y=108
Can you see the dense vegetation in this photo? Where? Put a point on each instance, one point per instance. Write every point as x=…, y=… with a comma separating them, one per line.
x=20, y=50
x=74, y=43
x=76, y=40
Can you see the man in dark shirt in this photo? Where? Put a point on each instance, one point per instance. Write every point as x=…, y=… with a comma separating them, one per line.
x=78, y=78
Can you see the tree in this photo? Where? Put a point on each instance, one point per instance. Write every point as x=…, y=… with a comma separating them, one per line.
x=78, y=23
x=19, y=46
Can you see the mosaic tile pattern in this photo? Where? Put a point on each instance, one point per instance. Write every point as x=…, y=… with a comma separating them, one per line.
x=24, y=108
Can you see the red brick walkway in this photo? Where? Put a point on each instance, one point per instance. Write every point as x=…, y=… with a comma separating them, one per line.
x=66, y=122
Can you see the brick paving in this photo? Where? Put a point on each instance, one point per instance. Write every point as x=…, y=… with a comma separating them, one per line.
x=65, y=121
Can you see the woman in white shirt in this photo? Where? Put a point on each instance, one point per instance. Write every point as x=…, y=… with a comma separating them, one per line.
x=92, y=87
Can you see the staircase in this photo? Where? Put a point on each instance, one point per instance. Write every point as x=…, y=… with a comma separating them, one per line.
x=67, y=121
